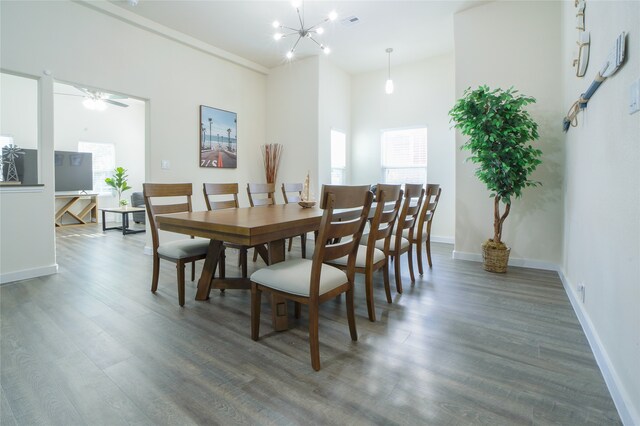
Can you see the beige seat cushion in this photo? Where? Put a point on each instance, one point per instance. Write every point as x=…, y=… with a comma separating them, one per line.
x=405, y=233
x=380, y=243
x=361, y=257
x=293, y=276
x=182, y=249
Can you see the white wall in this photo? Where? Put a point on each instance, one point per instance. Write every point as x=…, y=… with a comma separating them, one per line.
x=19, y=109
x=80, y=45
x=602, y=202
x=424, y=93
x=123, y=127
x=334, y=113
x=292, y=120
x=504, y=44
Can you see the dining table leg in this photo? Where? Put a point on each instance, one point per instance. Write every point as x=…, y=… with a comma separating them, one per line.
x=276, y=253
x=209, y=268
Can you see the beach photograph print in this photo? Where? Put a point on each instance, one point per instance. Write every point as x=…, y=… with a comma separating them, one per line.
x=218, y=138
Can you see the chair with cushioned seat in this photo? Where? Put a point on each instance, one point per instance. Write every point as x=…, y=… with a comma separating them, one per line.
x=312, y=282
x=137, y=200
x=407, y=218
x=182, y=251
x=370, y=258
x=422, y=232
x=292, y=193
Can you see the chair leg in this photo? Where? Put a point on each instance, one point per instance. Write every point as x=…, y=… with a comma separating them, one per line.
x=410, y=261
x=396, y=267
x=290, y=243
x=303, y=242
x=428, y=244
x=243, y=261
x=222, y=259
x=419, y=255
x=256, y=301
x=156, y=273
x=368, y=289
x=193, y=271
x=180, y=268
x=255, y=255
x=314, y=344
x=297, y=309
x=385, y=276
x=351, y=315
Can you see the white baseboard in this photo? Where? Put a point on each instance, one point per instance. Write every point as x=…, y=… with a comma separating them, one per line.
x=28, y=274
x=524, y=263
x=446, y=240
x=628, y=413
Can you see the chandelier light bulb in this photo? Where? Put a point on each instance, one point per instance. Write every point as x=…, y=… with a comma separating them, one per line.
x=276, y=24
x=326, y=50
x=333, y=15
x=277, y=36
x=319, y=30
x=290, y=54
x=296, y=3
x=304, y=31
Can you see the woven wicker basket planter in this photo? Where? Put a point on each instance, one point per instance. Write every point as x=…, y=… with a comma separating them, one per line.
x=495, y=259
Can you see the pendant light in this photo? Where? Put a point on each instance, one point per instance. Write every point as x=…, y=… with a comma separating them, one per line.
x=389, y=86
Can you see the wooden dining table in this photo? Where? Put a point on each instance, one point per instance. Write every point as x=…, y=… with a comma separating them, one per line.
x=264, y=227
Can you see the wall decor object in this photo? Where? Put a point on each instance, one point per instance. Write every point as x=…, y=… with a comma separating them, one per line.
x=584, y=39
x=218, y=138
x=612, y=64
x=11, y=153
x=271, y=154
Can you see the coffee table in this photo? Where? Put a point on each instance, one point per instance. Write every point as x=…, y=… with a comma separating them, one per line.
x=124, y=211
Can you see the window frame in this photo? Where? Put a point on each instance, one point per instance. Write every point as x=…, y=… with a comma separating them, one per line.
x=99, y=187
x=385, y=167
x=337, y=169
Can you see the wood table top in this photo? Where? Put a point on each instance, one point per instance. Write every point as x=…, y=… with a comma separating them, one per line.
x=247, y=225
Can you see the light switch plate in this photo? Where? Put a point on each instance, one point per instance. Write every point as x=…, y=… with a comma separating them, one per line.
x=165, y=164
x=634, y=97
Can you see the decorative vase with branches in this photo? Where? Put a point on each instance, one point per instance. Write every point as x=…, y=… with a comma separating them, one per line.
x=271, y=154
x=499, y=130
x=118, y=181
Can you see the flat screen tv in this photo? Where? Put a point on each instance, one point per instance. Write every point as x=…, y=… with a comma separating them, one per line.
x=73, y=171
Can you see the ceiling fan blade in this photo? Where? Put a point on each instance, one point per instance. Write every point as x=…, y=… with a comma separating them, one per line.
x=110, y=96
x=85, y=91
x=120, y=104
x=70, y=94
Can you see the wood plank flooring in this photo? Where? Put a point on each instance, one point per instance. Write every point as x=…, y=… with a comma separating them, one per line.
x=93, y=346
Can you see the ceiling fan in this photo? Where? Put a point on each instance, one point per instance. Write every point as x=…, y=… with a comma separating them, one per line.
x=95, y=99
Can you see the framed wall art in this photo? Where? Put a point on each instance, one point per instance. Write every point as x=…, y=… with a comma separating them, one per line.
x=218, y=138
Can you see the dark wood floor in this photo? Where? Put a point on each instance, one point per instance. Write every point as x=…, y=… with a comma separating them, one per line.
x=92, y=345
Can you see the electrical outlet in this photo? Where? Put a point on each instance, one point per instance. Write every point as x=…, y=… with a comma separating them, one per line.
x=165, y=165
x=582, y=291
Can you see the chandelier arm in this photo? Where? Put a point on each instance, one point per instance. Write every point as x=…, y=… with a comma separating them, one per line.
x=292, y=33
x=300, y=18
x=288, y=28
x=318, y=24
x=296, y=43
x=316, y=42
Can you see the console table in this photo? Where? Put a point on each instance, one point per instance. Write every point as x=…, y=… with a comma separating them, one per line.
x=124, y=211
x=90, y=208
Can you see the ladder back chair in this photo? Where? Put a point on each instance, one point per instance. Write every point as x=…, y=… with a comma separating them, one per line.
x=218, y=196
x=182, y=251
x=407, y=218
x=292, y=193
x=266, y=195
x=422, y=232
x=312, y=282
x=372, y=254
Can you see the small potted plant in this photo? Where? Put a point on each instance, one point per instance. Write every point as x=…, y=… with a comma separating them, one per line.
x=500, y=131
x=119, y=183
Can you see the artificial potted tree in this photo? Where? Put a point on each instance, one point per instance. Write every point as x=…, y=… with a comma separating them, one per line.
x=119, y=183
x=500, y=131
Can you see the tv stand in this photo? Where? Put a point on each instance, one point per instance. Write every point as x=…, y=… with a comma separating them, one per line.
x=89, y=208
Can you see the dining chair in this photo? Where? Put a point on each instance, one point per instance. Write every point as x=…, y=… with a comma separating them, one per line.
x=218, y=196
x=182, y=251
x=422, y=232
x=369, y=257
x=312, y=282
x=292, y=193
x=407, y=218
x=261, y=194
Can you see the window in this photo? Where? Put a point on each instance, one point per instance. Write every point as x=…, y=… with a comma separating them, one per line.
x=104, y=161
x=404, y=155
x=338, y=157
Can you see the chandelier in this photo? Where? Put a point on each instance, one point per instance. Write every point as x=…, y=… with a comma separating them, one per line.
x=303, y=32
